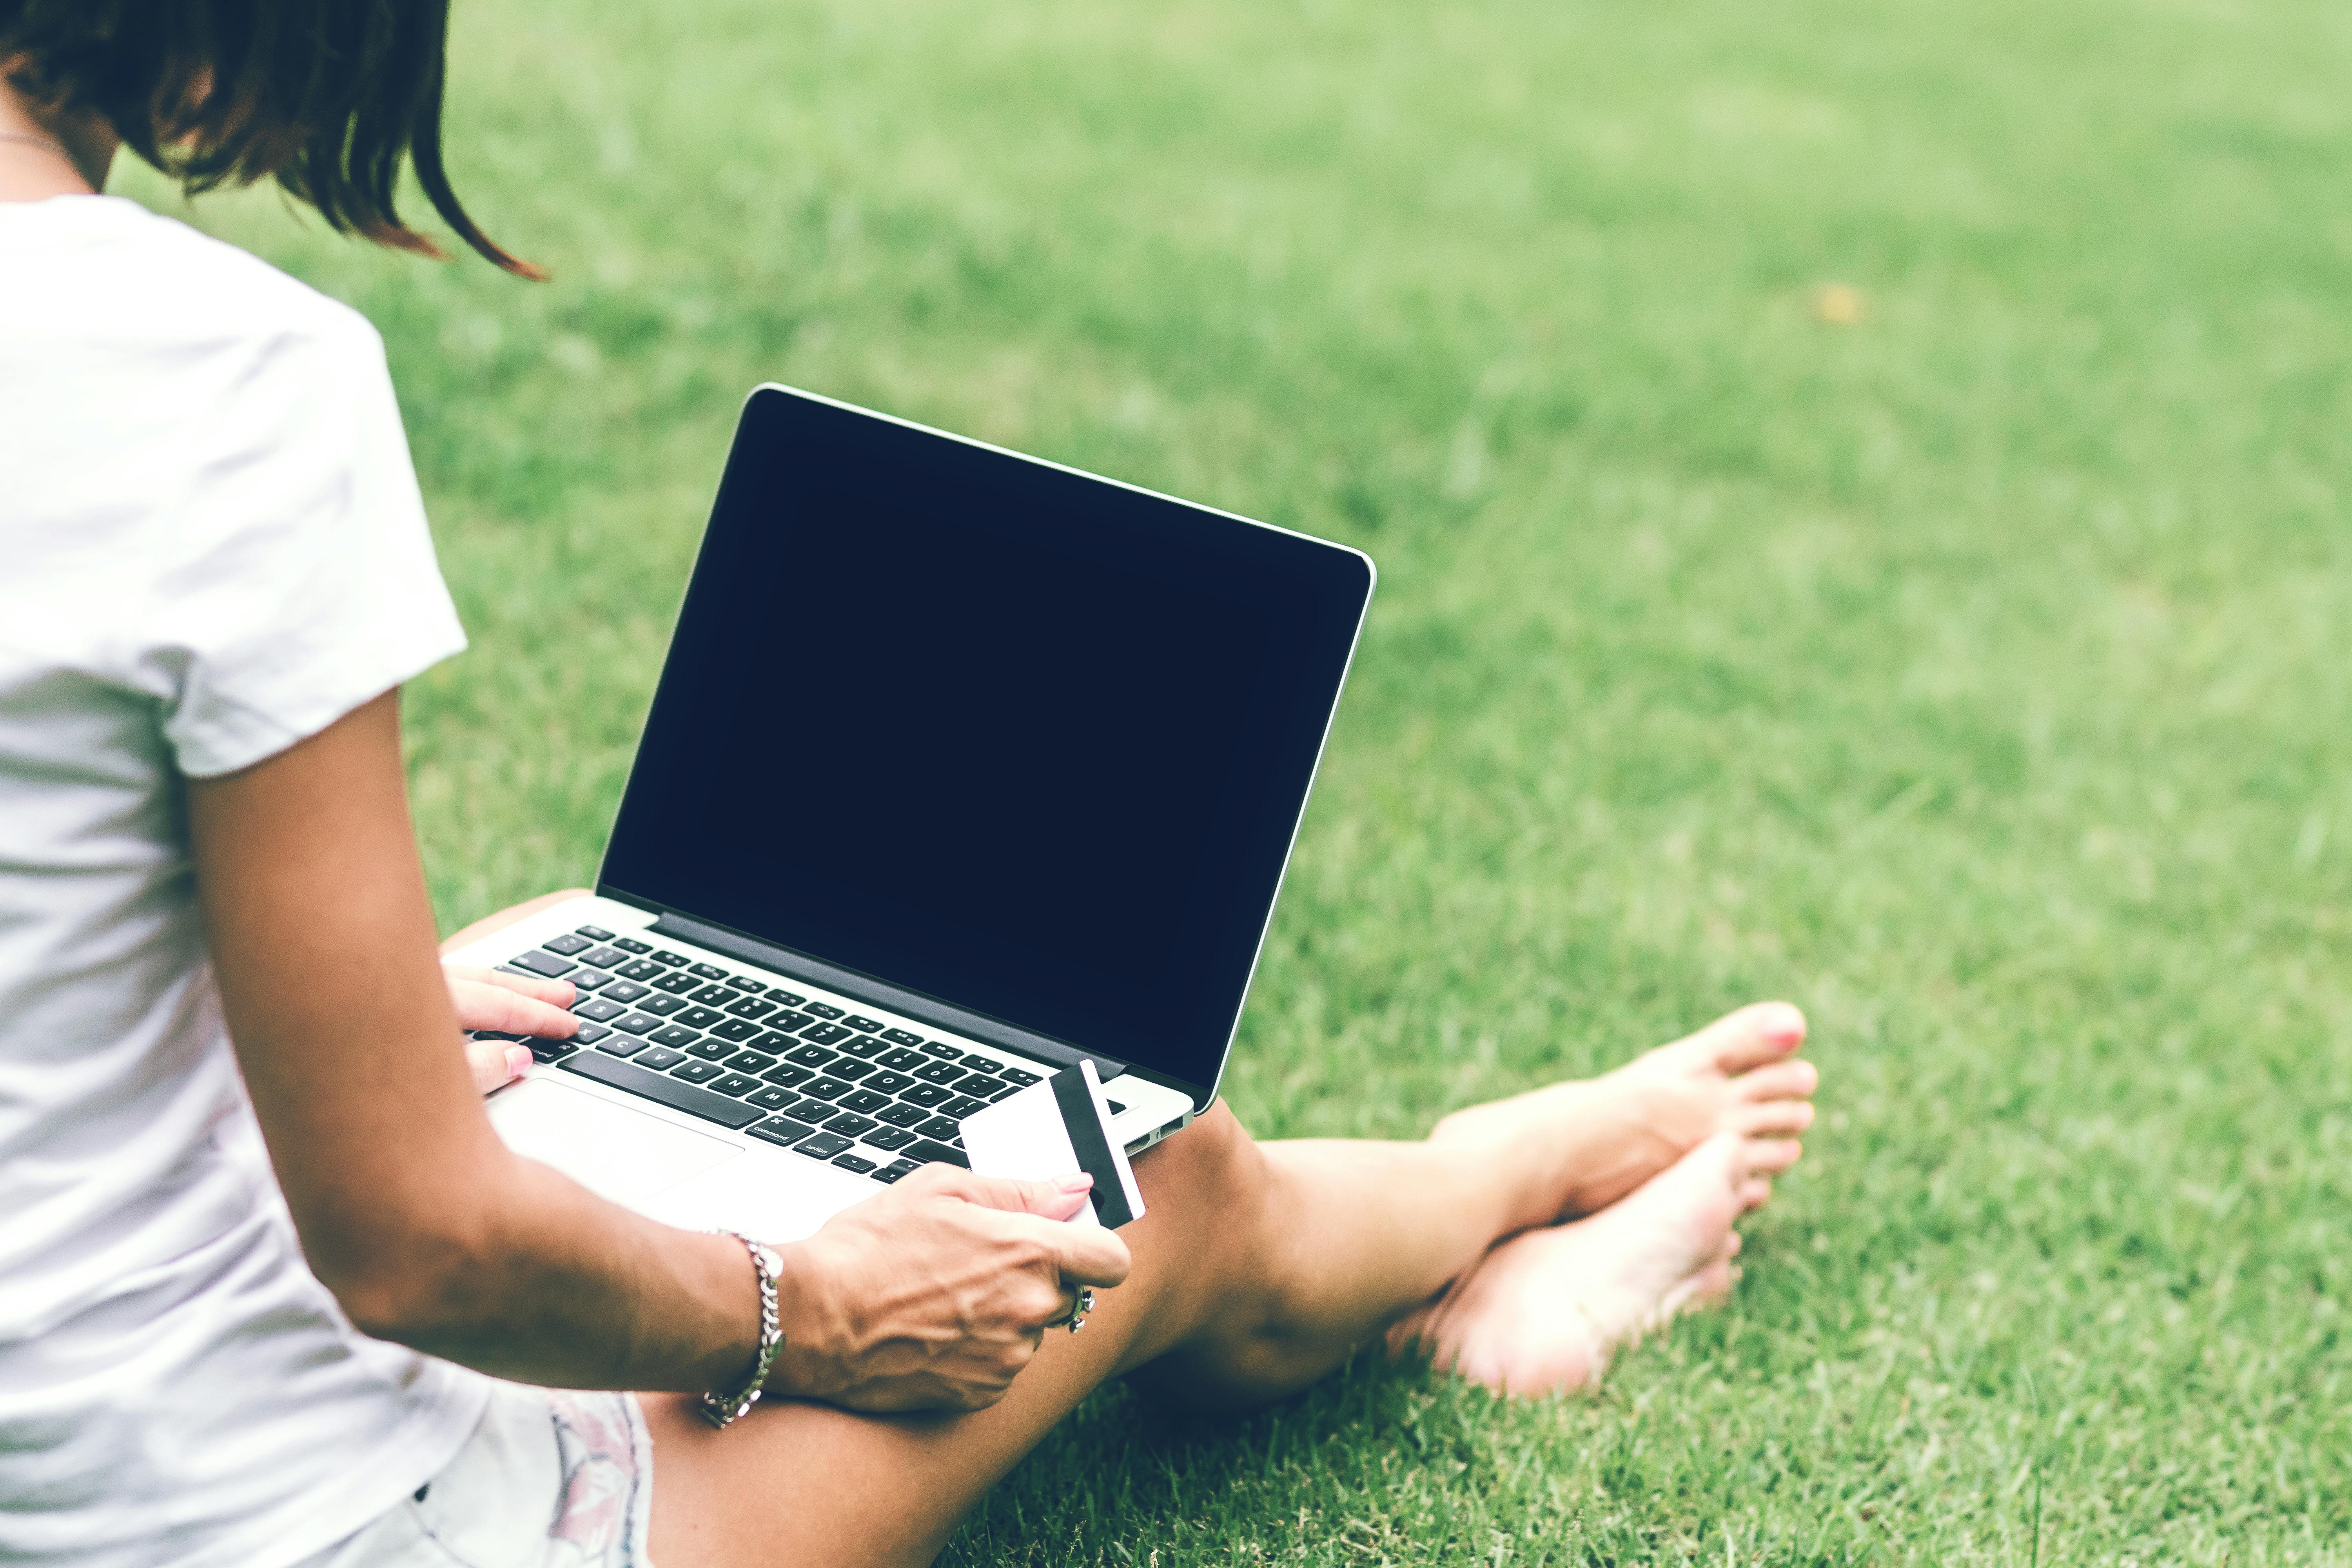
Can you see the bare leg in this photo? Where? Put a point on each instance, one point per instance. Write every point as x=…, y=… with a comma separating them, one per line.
x=1257, y=1270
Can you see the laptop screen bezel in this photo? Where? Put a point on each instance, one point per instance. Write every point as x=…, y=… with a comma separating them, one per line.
x=773, y=401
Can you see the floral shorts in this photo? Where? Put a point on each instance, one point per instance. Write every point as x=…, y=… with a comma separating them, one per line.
x=549, y=1479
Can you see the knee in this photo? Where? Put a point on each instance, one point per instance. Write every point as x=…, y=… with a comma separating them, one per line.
x=1211, y=1167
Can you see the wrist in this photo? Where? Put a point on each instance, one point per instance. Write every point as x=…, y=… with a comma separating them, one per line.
x=728, y=1402
x=805, y=1308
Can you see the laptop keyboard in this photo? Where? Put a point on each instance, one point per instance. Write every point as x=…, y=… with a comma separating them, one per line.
x=751, y=1055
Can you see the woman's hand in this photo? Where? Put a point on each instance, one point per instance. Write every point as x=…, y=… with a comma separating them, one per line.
x=508, y=1005
x=934, y=1294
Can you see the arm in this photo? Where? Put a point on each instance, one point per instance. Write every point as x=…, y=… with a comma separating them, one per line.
x=431, y=1232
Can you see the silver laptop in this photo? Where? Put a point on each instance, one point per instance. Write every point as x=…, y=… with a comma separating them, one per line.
x=963, y=767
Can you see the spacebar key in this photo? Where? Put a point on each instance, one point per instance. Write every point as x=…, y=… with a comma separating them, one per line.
x=668, y=1091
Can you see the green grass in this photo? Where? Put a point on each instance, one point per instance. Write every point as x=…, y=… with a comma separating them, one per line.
x=1973, y=675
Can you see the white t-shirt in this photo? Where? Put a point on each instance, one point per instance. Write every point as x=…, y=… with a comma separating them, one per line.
x=211, y=546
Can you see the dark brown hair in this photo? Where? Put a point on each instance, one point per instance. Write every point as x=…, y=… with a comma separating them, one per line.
x=325, y=95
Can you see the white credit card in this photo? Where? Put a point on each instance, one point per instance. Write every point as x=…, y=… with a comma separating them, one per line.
x=1058, y=1127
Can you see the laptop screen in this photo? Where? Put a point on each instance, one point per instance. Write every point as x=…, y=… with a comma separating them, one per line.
x=1023, y=741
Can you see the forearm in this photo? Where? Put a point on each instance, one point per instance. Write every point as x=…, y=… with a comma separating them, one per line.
x=543, y=1281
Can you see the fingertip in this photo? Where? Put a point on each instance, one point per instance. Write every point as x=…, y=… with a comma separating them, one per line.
x=1081, y=1181
x=518, y=1061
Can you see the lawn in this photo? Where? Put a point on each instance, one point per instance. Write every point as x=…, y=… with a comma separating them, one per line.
x=1969, y=669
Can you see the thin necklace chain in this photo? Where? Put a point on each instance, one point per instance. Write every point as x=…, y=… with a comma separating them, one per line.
x=29, y=140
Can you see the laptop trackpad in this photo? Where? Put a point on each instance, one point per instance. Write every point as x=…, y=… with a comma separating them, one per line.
x=615, y=1152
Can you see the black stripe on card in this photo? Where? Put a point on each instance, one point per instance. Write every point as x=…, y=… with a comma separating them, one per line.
x=1087, y=1141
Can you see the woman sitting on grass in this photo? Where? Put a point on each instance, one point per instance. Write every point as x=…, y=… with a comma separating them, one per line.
x=274, y=1292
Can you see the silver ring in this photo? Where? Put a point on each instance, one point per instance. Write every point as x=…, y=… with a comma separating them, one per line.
x=1085, y=1303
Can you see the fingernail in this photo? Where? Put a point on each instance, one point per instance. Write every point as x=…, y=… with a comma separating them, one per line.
x=518, y=1060
x=1078, y=1183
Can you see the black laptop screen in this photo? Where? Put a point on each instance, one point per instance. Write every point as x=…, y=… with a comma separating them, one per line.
x=1023, y=741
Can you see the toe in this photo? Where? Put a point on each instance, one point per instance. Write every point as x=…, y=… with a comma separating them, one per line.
x=1779, y=1080
x=1763, y=1032
x=1771, y=1156
x=1773, y=1116
x=1754, y=1193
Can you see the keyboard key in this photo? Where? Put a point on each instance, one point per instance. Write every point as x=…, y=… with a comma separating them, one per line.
x=787, y=1075
x=820, y=1145
x=710, y=1050
x=594, y=933
x=942, y=1072
x=855, y=1162
x=925, y=1094
x=550, y=1050
x=497, y=1034
x=713, y=996
x=939, y=1127
x=927, y=1153
x=746, y=983
x=824, y=1088
x=697, y=1072
x=810, y=1111
x=905, y=1115
x=780, y=1129
x=790, y=1022
x=889, y=1138
x=896, y=1171
x=959, y=1108
x=589, y=979
x=752, y=1007
x=750, y=1061
x=849, y=1125
x=675, y=1038
x=674, y=983
x=819, y=1008
x=539, y=962
x=607, y=957
x=568, y=945
x=735, y=1083
x=664, y=956
x=668, y=1092
x=735, y=1029
x=637, y=1023
x=621, y=1046
x=860, y=1045
x=709, y=971
x=941, y=1048
x=888, y=1082
x=852, y=1070
x=983, y=1064
x=598, y=1010
x=865, y=1102
x=660, y=1007
x=642, y=969
x=864, y=1025
x=625, y=992
x=789, y=998
x=1008, y=1089
x=770, y=1099
x=698, y=1018
x=979, y=1085
x=660, y=1059
x=1017, y=1077
x=810, y=1056
x=631, y=944
x=900, y=1060
x=901, y=1037
x=826, y=1034
x=587, y=1033
x=773, y=1042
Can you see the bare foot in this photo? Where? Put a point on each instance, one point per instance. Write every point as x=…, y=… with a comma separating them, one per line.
x=1584, y=1145
x=1542, y=1312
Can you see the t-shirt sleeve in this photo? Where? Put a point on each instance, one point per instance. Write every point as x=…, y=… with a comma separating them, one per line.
x=299, y=577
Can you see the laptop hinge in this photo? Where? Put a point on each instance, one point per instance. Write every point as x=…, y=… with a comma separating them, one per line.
x=908, y=1003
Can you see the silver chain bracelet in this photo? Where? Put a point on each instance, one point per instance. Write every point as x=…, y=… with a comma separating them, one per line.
x=722, y=1412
